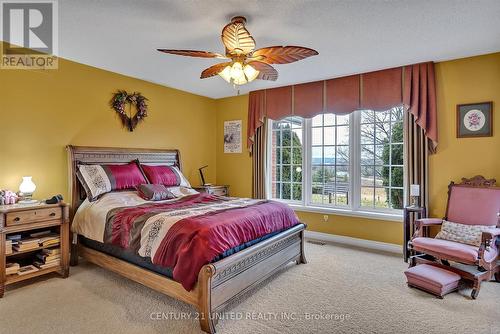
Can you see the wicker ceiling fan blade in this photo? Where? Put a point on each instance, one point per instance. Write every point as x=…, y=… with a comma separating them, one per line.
x=236, y=38
x=282, y=54
x=193, y=53
x=266, y=71
x=213, y=70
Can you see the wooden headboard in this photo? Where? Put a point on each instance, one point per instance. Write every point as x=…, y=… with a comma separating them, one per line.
x=111, y=155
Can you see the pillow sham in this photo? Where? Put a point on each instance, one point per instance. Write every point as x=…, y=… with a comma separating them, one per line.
x=101, y=179
x=167, y=175
x=464, y=234
x=154, y=192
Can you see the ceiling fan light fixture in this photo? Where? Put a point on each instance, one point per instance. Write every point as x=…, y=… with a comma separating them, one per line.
x=250, y=72
x=237, y=71
x=244, y=63
x=226, y=74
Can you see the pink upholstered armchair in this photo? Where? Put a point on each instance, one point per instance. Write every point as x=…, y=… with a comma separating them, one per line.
x=474, y=202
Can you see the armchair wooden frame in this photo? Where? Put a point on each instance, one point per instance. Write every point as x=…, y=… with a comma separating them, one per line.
x=481, y=270
x=219, y=283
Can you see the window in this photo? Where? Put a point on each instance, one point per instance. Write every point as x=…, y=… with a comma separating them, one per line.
x=286, y=157
x=382, y=159
x=351, y=162
x=330, y=159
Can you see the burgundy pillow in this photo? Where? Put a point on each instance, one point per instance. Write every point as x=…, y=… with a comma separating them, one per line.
x=154, y=192
x=100, y=179
x=167, y=175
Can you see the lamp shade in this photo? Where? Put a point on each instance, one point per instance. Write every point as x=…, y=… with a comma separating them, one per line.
x=27, y=186
x=414, y=190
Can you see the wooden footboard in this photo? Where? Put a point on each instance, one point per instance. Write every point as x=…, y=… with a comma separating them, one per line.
x=224, y=281
x=221, y=282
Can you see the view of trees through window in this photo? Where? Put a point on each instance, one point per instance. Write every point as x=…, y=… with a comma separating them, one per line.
x=330, y=159
x=382, y=158
x=377, y=170
x=286, y=157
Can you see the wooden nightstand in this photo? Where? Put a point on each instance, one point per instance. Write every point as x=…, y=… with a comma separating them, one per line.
x=214, y=190
x=26, y=219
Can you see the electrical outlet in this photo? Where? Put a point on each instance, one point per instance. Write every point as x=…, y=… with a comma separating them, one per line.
x=325, y=218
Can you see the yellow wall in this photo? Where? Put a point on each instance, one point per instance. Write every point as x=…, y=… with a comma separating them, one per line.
x=233, y=169
x=43, y=111
x=467, y=80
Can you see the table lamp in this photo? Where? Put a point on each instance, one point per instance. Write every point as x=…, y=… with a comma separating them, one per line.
x=414, y=194
x=202, y=176
x=27, y=188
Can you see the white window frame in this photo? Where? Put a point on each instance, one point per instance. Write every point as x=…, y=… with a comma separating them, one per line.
x=354, y=207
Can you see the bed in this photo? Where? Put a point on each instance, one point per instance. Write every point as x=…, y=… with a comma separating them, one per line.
x=217, y=282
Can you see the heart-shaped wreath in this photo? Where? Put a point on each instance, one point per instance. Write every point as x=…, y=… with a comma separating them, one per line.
x=120, y=99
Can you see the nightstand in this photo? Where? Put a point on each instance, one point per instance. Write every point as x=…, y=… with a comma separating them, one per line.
x=213, y=190
x=24, y=220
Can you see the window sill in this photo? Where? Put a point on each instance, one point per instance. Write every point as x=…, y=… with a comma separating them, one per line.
x=350, y=213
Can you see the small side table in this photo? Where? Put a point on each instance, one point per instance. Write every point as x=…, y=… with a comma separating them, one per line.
x=219, y=190
x=410, y=214
x=28, y=218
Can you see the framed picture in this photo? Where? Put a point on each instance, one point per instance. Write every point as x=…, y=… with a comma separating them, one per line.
x=475, y=120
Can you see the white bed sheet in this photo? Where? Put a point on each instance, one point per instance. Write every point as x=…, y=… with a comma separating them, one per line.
x=90, y=218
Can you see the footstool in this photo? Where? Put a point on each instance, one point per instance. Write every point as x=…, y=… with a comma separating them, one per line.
x=432, y=279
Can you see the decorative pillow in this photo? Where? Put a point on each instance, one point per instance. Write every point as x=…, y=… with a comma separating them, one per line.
x=167, y=175
x=465, y=234
x=154, y=192
x=182, y=191
x=100, y=179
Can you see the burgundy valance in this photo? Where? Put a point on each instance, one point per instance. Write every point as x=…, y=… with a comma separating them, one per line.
x=308, y=99
x=382, y=90
x=412, y=86
x=342, y=94
x=279, y=102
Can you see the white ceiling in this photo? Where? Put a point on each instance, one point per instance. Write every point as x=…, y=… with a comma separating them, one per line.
x=351, y=36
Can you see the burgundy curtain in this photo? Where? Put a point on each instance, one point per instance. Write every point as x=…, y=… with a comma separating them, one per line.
x=412, y=85
x=256, y=114
x=419, y=98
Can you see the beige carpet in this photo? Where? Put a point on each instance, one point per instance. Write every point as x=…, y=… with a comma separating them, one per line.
x=349, y=290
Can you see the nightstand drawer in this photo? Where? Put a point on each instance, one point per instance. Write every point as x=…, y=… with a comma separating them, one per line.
x=30, y=216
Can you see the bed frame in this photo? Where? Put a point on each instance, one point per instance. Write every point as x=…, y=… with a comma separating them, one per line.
x=219, y=283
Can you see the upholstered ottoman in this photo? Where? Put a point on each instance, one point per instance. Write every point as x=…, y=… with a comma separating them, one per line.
x=432, y=279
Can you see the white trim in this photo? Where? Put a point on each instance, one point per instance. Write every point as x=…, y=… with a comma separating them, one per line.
x=340, y=239
x=306, y=169
x=347, y=212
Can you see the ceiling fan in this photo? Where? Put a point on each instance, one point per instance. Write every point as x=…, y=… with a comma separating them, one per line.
x=245, y=64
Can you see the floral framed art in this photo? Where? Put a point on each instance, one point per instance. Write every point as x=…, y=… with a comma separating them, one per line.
x=475, y=120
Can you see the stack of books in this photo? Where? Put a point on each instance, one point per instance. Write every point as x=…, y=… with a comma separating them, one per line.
x=11, y=268
x=47, y=258
x=8, y=247
x=27, y=270
x=13, y=239
x=26, y=244
x=46, y=238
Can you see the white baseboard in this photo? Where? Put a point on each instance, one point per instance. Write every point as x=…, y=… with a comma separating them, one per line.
x=340, y=239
